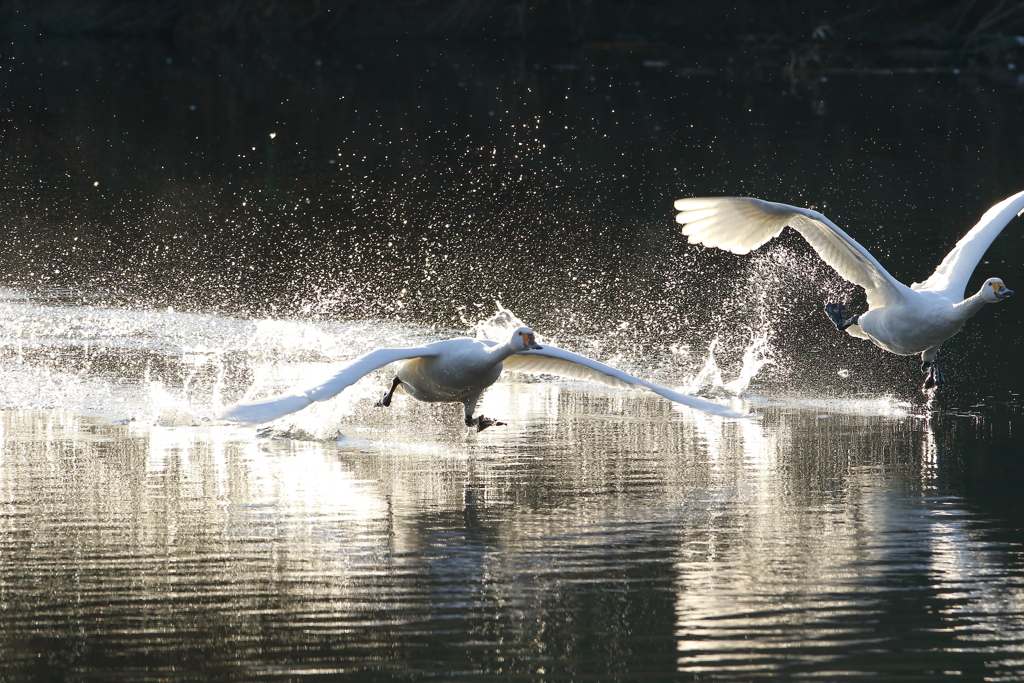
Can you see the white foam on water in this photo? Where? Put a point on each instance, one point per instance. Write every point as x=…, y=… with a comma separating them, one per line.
x=165, y=367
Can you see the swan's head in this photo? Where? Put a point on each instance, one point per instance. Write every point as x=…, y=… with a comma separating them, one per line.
x=523, y=340
x=994, y=290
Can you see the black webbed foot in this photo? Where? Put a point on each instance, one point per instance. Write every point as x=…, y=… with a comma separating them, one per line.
x=837, y=314
x=934, y=378
x=481, y=423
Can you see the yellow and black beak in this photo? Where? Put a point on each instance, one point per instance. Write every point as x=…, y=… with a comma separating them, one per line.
x=529, y=342
x=1001, y=291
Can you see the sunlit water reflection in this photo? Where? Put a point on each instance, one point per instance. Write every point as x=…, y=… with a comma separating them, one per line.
x=612, y=537
x=600, y=533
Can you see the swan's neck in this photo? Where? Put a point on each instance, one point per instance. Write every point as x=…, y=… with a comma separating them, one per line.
x=502, y=351
x=969, y=306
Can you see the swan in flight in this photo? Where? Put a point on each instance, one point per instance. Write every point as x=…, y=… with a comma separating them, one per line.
x=900, y=319
x=458, y=371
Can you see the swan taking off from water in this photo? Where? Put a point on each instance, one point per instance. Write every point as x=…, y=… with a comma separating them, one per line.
x=458, y=371
x=900, y=319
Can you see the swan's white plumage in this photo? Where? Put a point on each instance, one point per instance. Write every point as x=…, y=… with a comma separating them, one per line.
x=459, y=370
x=900, y=319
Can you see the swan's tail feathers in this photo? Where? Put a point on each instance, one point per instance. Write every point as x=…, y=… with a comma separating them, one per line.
x=855, y=331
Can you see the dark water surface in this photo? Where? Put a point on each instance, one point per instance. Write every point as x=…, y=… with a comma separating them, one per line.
x=184, y=229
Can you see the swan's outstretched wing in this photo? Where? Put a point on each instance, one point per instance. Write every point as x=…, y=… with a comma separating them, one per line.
x=741, y=224
x=554, y=361
x=268, y=409
x=950, y=278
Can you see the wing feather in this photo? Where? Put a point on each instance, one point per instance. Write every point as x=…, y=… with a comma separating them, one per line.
x=742, y=224
x=950, y=278
x=714, y=222
x=555, y=361
x=268, y=409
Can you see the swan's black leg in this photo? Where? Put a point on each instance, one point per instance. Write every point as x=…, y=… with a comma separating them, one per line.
x=481, y=423
x=837, y=314
x=385, y=400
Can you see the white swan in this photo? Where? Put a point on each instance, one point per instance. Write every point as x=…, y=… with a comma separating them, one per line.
x=903, y=320
x=458, y=371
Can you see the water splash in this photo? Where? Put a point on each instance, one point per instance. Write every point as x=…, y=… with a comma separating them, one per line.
x=497, y=327
x=162, y=366
x=756, y=354
x=710, y=376
x=761, y=323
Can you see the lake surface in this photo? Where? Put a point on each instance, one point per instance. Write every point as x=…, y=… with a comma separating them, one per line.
x=184, y=230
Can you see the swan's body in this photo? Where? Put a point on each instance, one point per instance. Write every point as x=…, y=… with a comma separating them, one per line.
x=458, y=371
x=900, y=319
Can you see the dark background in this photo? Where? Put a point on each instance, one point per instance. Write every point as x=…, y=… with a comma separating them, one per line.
x=973, y=25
